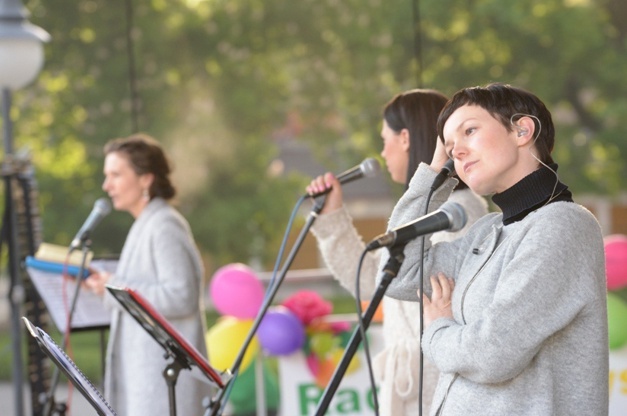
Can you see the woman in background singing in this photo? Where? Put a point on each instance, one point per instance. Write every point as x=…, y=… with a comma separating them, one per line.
x=409, y=137
x=159, y=260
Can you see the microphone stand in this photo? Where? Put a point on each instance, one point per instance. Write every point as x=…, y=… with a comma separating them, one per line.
x=49, y=397
x=214, y=407
x=389, y=272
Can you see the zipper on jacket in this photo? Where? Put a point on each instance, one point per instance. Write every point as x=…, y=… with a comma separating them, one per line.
x=439, y=412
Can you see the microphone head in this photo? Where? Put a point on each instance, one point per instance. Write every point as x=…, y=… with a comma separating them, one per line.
x=449, y=166
x=370, y=167
x=103, y=206
x=456, y=215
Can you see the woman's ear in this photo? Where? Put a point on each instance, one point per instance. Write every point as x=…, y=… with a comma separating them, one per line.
x=146, y=180
x=405, y=141
x=525, y=129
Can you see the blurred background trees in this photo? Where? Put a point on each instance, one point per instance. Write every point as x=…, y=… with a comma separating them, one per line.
x=221, y=82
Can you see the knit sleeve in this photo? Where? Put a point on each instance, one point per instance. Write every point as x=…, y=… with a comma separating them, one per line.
x=408, y=208
x=341, y=247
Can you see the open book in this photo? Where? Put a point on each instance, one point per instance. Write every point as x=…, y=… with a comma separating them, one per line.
x=166, y=335
x=67, y=366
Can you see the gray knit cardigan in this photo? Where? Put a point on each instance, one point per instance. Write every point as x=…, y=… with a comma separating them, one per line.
x=159, y=260
x=529, y=329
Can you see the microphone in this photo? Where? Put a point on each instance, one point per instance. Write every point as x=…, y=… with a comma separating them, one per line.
x=447, y=170
x=102, y=207
x=451, y=217
x=369, y=167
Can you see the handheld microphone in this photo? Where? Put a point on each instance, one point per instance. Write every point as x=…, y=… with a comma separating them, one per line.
x=369, y=167
x=451, y=217
x=102, y=207
x=447, y=170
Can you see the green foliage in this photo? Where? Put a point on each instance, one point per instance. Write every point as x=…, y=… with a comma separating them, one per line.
x=220, y=82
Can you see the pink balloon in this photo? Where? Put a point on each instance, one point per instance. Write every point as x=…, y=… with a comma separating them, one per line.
x=313, y=364
x=236, y=291
x=616, y=261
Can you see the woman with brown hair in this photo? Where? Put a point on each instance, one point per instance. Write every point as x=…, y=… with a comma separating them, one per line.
x=159, y=260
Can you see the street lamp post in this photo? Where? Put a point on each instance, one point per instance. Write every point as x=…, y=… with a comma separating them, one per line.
x=21, y=59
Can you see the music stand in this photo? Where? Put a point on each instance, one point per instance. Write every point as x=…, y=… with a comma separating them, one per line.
x=67, y=366
x=183, y=354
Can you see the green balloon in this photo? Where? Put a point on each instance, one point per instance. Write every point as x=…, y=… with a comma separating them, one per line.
x=243, y=396
x=323, y=343
x=617, y=321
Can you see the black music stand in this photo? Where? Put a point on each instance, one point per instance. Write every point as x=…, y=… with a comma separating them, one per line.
x=184, y=355
x=67, y=366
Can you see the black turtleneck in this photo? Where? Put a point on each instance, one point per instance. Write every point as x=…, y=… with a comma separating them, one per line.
x=530, y=193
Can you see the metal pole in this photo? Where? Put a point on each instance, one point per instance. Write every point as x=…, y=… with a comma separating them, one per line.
x=260, y=388
x=16, y=291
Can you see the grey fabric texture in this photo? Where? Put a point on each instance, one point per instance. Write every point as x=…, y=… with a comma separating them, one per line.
x=397, y=367
x=161, y=262
x=529, y=328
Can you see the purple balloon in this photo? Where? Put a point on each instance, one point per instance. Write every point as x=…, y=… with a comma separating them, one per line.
x=281, y=332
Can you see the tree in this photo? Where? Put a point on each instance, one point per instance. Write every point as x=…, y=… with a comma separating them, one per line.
x=217, y=80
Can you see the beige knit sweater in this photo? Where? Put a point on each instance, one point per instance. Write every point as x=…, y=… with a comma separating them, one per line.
x=397, y=367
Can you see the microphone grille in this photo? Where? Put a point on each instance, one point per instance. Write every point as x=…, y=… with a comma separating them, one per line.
x=370, y=167
x=103, y=206
x=449, y=166
x=456, y=214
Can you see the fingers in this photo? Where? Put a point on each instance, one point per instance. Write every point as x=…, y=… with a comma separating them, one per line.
x=92, y=284
x=442, y=286
x=436, y=288
x=446, y=289
x=321, y=183
x=439, y=157
x=327, y=182
x=439, y=304
x=96, y=282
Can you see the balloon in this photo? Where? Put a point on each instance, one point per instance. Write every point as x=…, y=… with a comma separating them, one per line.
x=281, y=332
x=322, y=343
x=313, y=363
x=243, y=396
x=616, y=261
x=236, y=291
x=224, y=341
x=353, y=365
x=617, y=321
x=307, y=305
x=378, y=313
x=326, y=368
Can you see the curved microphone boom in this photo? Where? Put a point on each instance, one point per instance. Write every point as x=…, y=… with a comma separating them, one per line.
x=450, y=217
x=368, y=168
x=101, y=209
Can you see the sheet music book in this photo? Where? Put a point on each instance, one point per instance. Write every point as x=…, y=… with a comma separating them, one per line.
x=57, y=292
x=67, y=366
x=166, y=335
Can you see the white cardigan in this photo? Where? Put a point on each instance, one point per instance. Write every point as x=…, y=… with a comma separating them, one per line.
x=160, y=261
x=397, y=366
